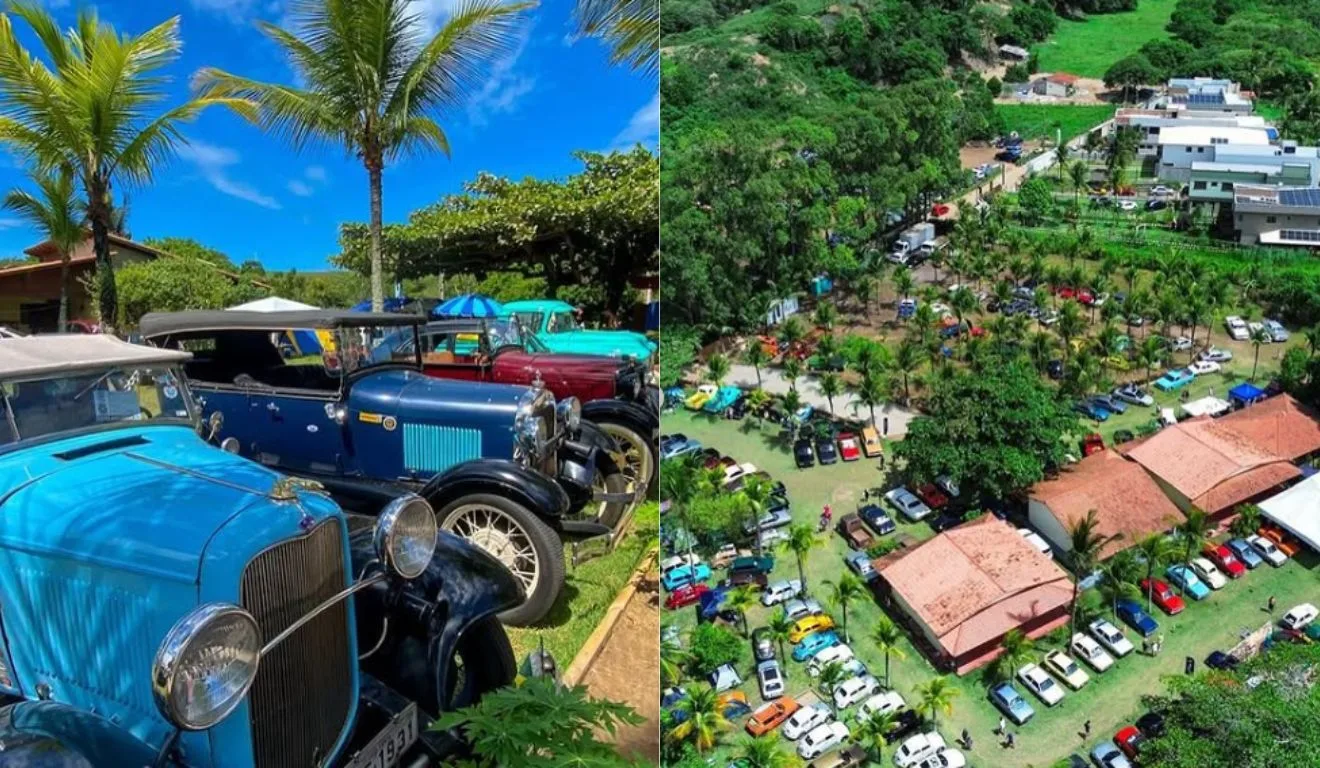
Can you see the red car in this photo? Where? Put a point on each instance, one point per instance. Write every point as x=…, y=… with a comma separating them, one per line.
x=1223, y=558
x=1165, y=598
x=940, y=209
x=1066, y=293
x=931, y=495
x=849, y=448
x=1085, y=296
x=688, y=594
x=1129, y=740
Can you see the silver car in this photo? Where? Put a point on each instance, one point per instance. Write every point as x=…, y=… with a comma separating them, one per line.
x=770, y=679
x=907, y=503
x=1277, y=331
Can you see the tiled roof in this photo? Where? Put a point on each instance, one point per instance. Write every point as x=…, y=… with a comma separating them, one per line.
x=971, y=584
x=1280, y=425
x=1127, y=501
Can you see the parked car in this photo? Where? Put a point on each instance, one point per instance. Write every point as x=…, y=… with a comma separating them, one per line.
x=1220, y=660
x=1174, y=379
x=1214, y=355
x=1106, y=755
x=1160, y=190
x=836, y=653
x=1129, y=740
x=1225, y=557
x=889, y=702
x=1185, y=578
x=556, y=325
x=826, y=452
x=673, y=446
x=1208, y=573
x=850, y=448
x=1088, y=650
x=726, y=554
x=1131, y=613
x=813, y=644
x=774, y=518
x=1091, y=410
x=803, y=453
x=1237, y=328
x=507, y=467
x=1298, y=616
x=809, y=624
x=876, y=518
x=1110, y=637
x=1162, y=596
x=852, y=756
x=1151, y=724
x=854, y=531
x=684, y=574
x=771, y=715
x=1067, y=670
x=1006, y=698
x=1245, y=553
x=770, y=679
x=1204, y=367
x=822, y=739
x=1035, y=679
x=1131, y=393
x=871, y=445
x=860, y=563
x=855, y=689
x=907, y=504
x=796, y=609
x=1110, y=403
x=946, y=520
x=806, y=719
x=723, y=400
x=1288, y=545
x=931, y=496
x=763, y=644
x=1276, y=331
x=781, y=591
x=918, y=748
x=688, y=594
x=1267, y=550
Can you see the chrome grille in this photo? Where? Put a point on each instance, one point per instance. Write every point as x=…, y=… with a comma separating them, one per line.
x=304, y=687
x=550, y=455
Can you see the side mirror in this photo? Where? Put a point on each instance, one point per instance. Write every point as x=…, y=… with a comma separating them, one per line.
x=213, y=424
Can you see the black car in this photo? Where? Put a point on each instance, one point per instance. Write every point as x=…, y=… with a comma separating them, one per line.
x=763, y=644
x=826, y=452
x=946, y=520
x=804, y=454
x=876, y=519
x=1055, y=369
x=1221, y=660
x=906, y=722
x=1156, y=205
x=1151, y=724
x=738, y=410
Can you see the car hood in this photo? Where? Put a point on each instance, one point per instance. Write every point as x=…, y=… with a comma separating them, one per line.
x=571, y=365
x=146, y=499
x=611, y=343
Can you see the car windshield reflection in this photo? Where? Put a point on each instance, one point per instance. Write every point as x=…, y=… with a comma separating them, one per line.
x=74, y=401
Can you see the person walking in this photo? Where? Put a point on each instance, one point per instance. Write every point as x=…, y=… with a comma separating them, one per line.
x=1269, y=606
x=1003, y=727
x=1086, y=729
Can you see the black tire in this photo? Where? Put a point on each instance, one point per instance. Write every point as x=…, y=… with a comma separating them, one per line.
x=546, y=548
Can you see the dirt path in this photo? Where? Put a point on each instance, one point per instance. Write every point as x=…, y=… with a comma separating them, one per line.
x=627, y=670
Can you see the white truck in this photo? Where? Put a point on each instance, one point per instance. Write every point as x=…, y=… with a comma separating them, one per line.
x=910, y=240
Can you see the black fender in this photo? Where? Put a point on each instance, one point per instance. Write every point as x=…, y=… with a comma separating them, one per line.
x=427, y=615
x=540, y=494
x=49, y=734
x=636, y=416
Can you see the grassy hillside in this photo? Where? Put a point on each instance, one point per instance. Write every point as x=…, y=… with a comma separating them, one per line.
x=1040, y=121
x=1088, y=48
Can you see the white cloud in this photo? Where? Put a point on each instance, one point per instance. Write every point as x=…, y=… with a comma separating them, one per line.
x=644, y=127
x=234, y=10
x=12, y=223
x=505, y=85
x=214, y=162
x=300, y=188
x=315, y=173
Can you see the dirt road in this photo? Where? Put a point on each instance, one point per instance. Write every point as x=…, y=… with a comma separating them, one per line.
x=627, y=670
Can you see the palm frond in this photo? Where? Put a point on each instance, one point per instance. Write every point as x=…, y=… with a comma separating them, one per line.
x=630, y=27
x=300, y=116
x=418, y=132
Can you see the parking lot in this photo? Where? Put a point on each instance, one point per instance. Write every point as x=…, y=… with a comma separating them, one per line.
x=1110, y=700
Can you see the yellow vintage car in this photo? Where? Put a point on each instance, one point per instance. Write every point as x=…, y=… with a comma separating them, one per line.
x=809, y=624
x=699, y=398
x=1118, y=362
x=871, y=445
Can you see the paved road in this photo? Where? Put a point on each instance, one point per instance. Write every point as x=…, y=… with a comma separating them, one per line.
x=774, y=383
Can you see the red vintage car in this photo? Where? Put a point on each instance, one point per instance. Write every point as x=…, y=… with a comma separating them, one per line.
x=1161, y=595
x=688, y=594
x=615, y=393
x=932, y=496
x=1223, y=557
x=850, y=448
x=1129, y=740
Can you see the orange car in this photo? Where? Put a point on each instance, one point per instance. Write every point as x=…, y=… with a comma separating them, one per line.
x=769, y=344
x=1286, y=543
x=809, y=624
x=771, y=715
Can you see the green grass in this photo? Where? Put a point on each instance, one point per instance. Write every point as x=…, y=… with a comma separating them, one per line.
x=1041, y=121
x=589, y=589
x=1110, y=700
x=1088, y=48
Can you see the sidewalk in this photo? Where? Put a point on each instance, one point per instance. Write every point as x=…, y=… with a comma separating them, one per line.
x=772, y=381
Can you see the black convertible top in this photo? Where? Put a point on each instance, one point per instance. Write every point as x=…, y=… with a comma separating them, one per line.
x=156, y=324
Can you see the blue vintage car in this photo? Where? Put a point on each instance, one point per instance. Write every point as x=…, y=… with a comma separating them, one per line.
x=1006, y=698
x=517, y=469
x=682, y=575
x=1184, y=577
x=1132, y=614
x=165, y=603
x=556, y=324
x=813, y=644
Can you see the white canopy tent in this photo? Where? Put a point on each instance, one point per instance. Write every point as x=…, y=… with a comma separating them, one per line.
x=272, y=304
x=1206, y=406
x=1297, y=510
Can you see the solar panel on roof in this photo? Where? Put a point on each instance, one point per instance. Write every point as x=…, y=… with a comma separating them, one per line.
x=1309, y=198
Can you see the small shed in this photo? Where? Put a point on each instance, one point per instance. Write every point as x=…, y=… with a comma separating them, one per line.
x=1013, y=53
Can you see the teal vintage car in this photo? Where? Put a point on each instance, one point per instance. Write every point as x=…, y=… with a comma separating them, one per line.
x=556, y=325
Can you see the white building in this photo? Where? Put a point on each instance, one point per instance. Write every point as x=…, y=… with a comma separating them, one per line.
x=1207, y=94
x=1181, y=146
x=1150, y=122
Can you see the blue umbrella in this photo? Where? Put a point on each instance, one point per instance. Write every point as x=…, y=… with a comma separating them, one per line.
x=468, y=305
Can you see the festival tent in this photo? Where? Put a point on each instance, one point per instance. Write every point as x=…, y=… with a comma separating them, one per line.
x=1245, y=394
x=272, y=304
x=1297, y=511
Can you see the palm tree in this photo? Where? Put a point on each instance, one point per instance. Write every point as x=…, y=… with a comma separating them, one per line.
x=369, y=83
x=779, y=626
x=756, y=493
x=1061, y=158
x=801, y=540
x=870, y=393
x=1150, y=353
x=1017, y=649
x=904, y=283
x=1040, y=348
x=792, y=404
x=631, y=28
x=703, y=718
x=935, y=696
x=887, y=638
x=830, y=676
x=792, y=371
x=830, y=385
x=1155, y=550
x=1077, y=174
x=672, y=659
x=739, y=600
x=872, y=733
x=791, y=331
x=1258, y=336
x=1247, y=521
x=756, y=357
x=717, y=369
x=1119, y=579
x=756, y=402
x=907, y=359
x=1086, y=541
x=764, y=751
x=826, y=315
x=90, y=116
x=1193, y=532
x=842, y=592
x=1071, y=325
x=58, y=214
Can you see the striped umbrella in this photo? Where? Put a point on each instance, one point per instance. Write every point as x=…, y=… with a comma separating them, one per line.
x=468, y=305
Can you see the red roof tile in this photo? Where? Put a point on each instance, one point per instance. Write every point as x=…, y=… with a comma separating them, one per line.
x=1280, y=425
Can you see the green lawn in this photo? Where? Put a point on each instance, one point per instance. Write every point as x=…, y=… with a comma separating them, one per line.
x=589, y=589
x=1088, y=48
x=1109, y=701
x=1041, y=121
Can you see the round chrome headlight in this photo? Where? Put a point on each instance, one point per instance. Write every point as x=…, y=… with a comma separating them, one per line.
x=532, y=430
x=405, y=535
x=569, y=412
x=206, y=665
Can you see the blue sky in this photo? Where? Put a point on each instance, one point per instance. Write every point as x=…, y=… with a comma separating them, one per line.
x=247, y=194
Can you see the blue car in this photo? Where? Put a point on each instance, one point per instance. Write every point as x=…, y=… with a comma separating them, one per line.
x=1132, y=614
x=1174, y=380
x=813, y=644
x=682, y=575
x=1091, y=410
x=167, y=602
x=1245, y=552
x=1182, y=576
x=724, y=398
x=673, y=446
x=1010, y=702
x=874, y=516
x=504, y=466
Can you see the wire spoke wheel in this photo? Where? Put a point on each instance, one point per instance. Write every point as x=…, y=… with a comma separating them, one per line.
x=633, y=457
x=494, y=531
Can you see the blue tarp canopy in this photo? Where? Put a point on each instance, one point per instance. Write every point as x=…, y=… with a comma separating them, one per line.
x=1245, y=394
x=391, y=304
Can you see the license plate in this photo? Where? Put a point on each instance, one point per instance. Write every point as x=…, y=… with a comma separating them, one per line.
x=389, y=746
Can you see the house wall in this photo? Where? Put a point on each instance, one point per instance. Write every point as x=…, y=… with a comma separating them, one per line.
x=26, y=296
x=1044, y=521
x=1250, y=225
x=1175, y=161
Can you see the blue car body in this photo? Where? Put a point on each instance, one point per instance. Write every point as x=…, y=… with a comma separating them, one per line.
x=1092, y=410
x=710, y=603
x=1132, y=614
x=813, y=644
x=1183, y=576
x=555, y=324
x=1006, y=698
x=1245, y=552
x=1174, y=380
x=674, y=446
x=674, y=578
x=877, y=519
x=724, y=399
x=116, y=530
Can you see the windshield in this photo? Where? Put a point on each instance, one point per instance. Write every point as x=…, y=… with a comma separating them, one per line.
x=73, y=401
x=563, y=322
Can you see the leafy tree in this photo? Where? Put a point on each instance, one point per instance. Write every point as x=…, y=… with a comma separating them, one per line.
x=887, y=638
x=831, y=675
x=1258, y=337
x=780, y=626
x=1130, y=72
x=1086, y=543
x=672, y=660
x=1247, y=521
x=1119, y=577
x=739, y=600
x=631, y=28
x=830, y=386
x=801, y=540
x=702, y=721
x=717, y=369
x=935, y=696
x=540, y=724
x=871, y=392
x=1155, y=550
x=712, y=646
x=1017, y=649
x=92, y=115
x=826, y=315
x=872, y=732
x=1193, y=534
x=1036, y=199
x=765, y=751
x=792, y=371
x=58, y=215
x=172, y=285
x=678, y=349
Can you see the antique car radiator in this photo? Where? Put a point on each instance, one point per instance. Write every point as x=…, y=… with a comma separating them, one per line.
x=303, y=693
